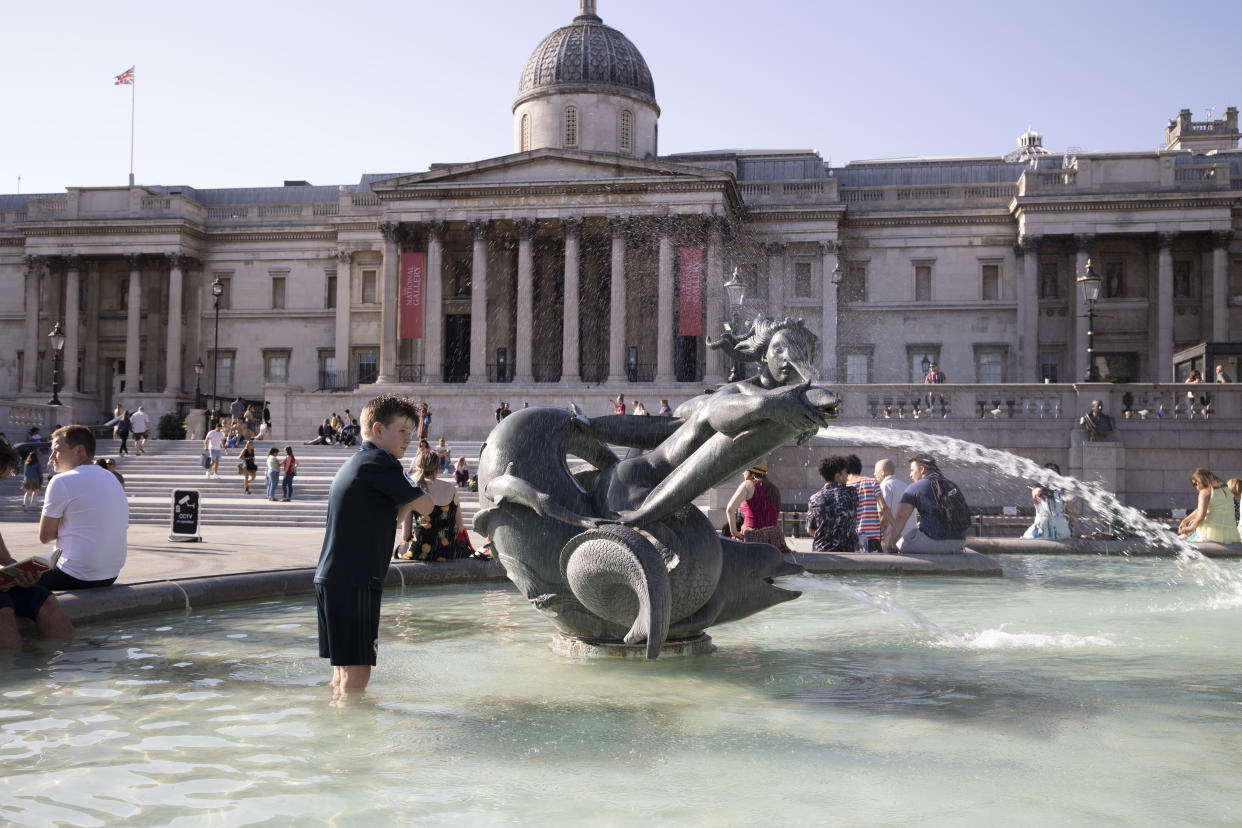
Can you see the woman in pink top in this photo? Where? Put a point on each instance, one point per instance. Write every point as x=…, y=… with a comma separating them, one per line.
x=760, y=504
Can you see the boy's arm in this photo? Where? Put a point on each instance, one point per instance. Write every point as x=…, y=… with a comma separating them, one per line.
x=421, y=504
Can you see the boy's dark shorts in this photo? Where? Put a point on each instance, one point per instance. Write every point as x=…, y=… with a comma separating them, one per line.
x=25, y=601
x=348, y=624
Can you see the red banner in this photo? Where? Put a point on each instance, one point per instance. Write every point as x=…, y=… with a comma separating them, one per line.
x=411, y=295
x=690, y=307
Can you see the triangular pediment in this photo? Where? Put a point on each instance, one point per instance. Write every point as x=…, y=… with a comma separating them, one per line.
x=545, y=166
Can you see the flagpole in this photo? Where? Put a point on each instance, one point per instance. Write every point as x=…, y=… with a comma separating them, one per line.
x=132, y=95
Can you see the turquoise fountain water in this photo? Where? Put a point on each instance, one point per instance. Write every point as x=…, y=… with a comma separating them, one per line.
x=1073, y=691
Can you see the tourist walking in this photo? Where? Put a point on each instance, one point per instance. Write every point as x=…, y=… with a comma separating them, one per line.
x=290, y=469
x=871, y=506
x=32, y=480
x=123, y=429
x=213, y=444
x=140, y=423
x=760, y=504
x=1053, y=512
x=832, y=513
x=273, y=472
x=1212, y=520
x=248, y=467
x=237, y=408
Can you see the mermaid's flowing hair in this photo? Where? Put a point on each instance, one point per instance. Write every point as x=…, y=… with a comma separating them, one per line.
x=752, y=344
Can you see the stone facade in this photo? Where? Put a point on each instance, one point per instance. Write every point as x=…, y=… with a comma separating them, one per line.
x=554, y=271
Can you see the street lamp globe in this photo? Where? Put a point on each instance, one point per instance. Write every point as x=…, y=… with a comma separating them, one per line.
x=837, y=274
x=735, y=291
x=57, y=338
x=217, y=288
x=1089, y=283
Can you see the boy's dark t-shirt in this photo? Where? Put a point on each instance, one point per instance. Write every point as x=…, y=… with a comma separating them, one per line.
x=362, y=519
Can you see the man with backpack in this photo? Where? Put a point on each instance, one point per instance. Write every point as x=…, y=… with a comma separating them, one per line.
x=943, y=518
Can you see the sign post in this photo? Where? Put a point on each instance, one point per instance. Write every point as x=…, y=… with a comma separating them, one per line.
x=186, y=514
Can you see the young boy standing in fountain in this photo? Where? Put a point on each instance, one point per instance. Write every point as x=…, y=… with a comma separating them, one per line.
x=369, y=499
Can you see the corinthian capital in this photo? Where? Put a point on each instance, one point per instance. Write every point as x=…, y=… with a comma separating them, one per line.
x=526, y=228
x=572, y=225
x=436, y=229
x=135, y=261
x=344, y=256
x=668, y=225
x=1221, y=240
x=480, y=229
x=1164, y=241
x=72, y=261
x=619, y=225
x=1083, y=242
x=177, y=261
x=391, y=231
x=34, y=264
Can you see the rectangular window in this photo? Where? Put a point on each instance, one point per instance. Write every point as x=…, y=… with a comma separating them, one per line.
x=224, y=374
x=1114, y=280
x=329, y=297
x=802, y=281
x=991, y=282
x=226, y=296
x=368, y=287
x=855, y=284
x=857, y=368
x=276, y=365
x=278, y=291
x=368, y=366
x=1181, y=280
x=1050, y=366
x=1121, y=367
x=989, y=365
x=1049, y=283
x=922, y=283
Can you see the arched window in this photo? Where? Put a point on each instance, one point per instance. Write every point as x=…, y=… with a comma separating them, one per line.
x=625, y=132
x=525, y=132
x=571, y=126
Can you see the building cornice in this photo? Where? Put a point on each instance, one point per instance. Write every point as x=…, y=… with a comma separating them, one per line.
x=1027, y=204
x=923, y=220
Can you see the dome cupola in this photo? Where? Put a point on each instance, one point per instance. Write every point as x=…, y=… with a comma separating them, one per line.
x=587, y=87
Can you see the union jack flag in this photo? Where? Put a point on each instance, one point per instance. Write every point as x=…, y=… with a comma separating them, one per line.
x=126, y=78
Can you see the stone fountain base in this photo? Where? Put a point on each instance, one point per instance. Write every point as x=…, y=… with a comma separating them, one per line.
x=565, y=645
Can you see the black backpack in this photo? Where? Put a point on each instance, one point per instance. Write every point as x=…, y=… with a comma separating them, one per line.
x=951, y=506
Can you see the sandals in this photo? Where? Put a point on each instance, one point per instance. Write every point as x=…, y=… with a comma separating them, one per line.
x=481, y=556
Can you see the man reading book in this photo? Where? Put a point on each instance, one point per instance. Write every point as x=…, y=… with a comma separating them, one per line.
x=24, y=597
x=85, y=512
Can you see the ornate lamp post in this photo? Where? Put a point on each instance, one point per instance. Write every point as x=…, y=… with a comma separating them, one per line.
x=217, y=290
x=57, y=338
x=198, y=375
x=1089, y=283
x=735, y=294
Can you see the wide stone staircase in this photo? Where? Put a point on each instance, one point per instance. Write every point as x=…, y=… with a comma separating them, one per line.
x=167, y=465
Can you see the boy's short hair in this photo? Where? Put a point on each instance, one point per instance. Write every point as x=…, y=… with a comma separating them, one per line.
x=927, y=462
x=831, y=466
x=384, y=409
x=77, y=435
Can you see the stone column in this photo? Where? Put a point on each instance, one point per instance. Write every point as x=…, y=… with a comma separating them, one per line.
x=73, y=318
x=830, y=253
x=1027, y=254
x=344, y=294
x=776, y=279
x=619, y=225
x=389, y=302
x=480, y=228
x=526, y=229
x=177, y=264
x=569, y=326
x=667, y=226
x=133, y=326
x=30, y=364
x=1163, y=370
x=713, y=294
x=1220, y=288
x=90, y=347
x=1082, y=246
x=433, y=339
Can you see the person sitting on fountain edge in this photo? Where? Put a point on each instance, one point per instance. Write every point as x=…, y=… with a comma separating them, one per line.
x=832, y=513
x=370, y=497
x=943, y=513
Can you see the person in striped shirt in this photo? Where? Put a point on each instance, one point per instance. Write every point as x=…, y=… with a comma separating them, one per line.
x=871, y=506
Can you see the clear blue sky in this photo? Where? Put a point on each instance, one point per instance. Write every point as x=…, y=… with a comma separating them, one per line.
x=248, y=94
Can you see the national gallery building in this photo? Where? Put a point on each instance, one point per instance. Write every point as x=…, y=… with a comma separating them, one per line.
x=585, y=259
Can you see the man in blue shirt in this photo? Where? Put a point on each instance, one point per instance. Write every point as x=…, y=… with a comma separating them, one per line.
x=369, y=499
x=933, y=535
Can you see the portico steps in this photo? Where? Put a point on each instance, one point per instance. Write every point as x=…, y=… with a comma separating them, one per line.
x=167, y=465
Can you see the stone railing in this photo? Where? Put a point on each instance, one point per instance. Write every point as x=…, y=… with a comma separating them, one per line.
x=1046, y=401
x=252, y=212
x=18, y=418
x=789, y=192
x=937, y=195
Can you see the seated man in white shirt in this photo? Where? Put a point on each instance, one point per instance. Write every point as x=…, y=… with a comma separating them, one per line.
x=25, y=598
x=892, y=488
x=85, y=513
